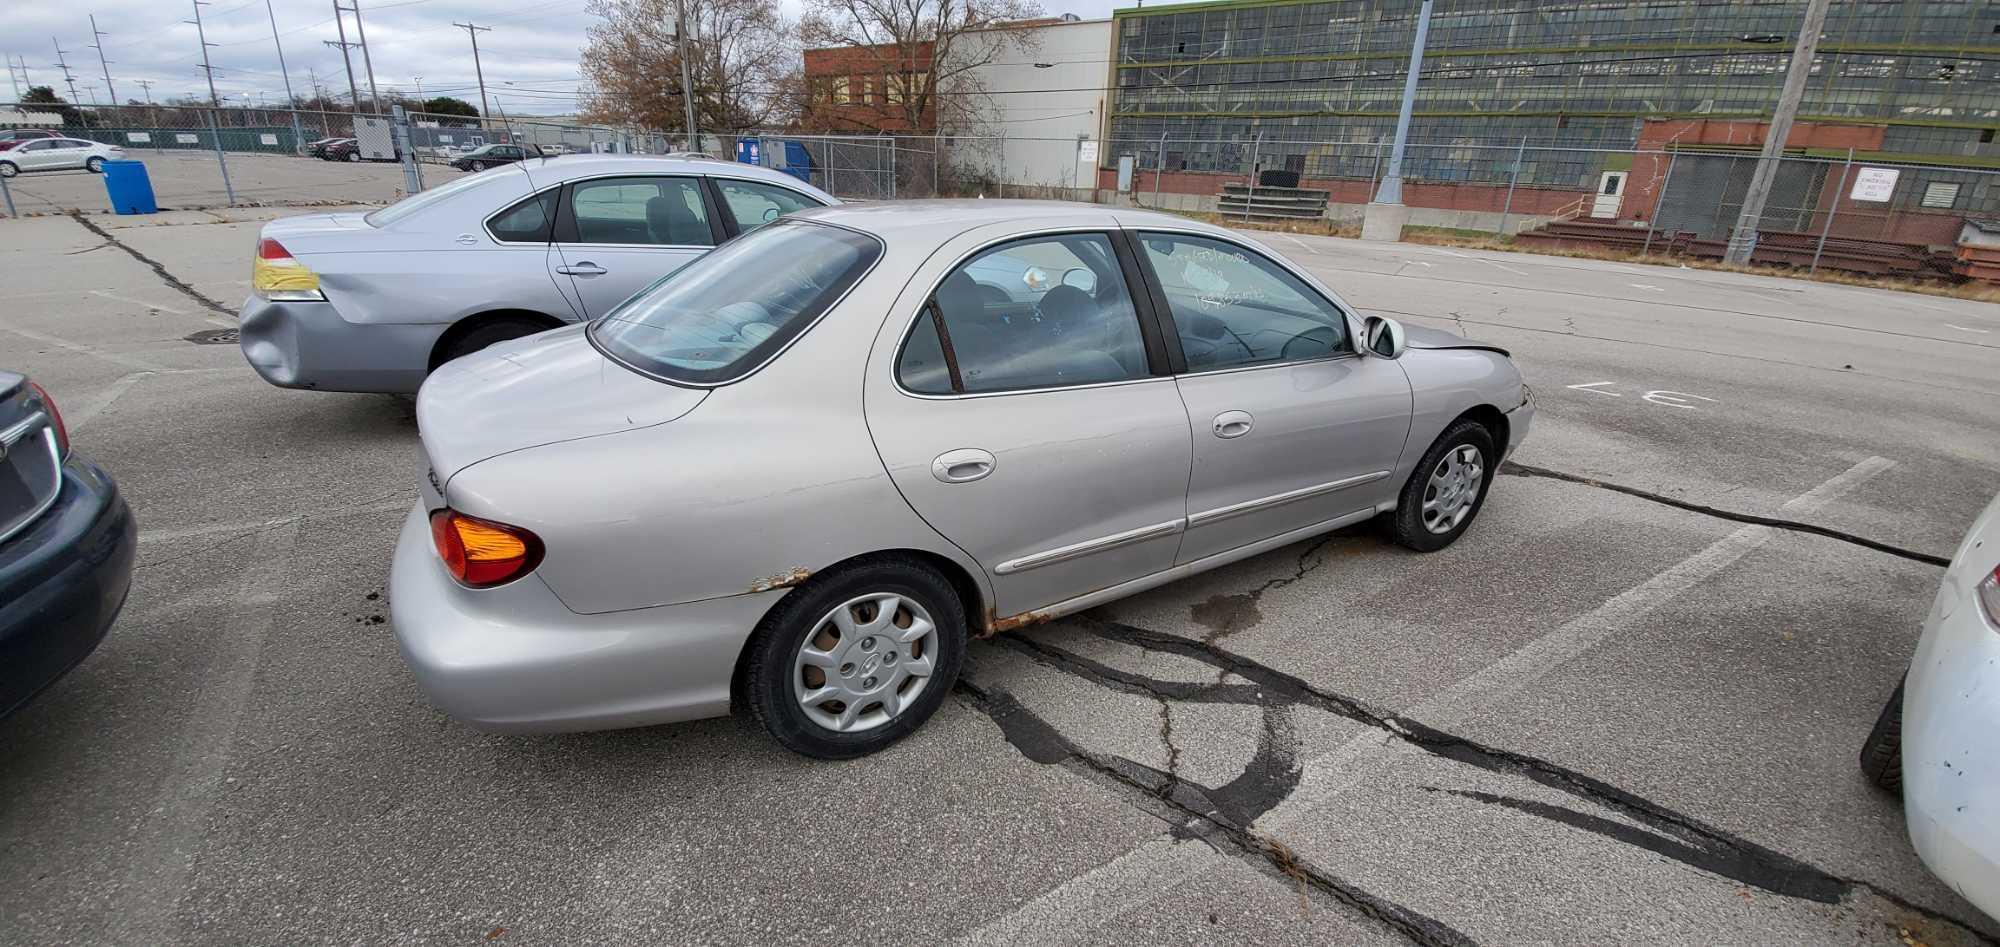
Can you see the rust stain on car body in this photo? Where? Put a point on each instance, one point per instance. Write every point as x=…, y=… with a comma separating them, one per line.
x=996, y=625
x=783, y=580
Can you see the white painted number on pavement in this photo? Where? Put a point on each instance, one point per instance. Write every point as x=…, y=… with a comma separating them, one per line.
x=1661, y=397
x=1595, y=385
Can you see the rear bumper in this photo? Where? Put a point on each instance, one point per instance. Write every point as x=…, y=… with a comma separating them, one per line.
x=62, y=582
x=309, y=345
x=513, y=658
x=1951, y=763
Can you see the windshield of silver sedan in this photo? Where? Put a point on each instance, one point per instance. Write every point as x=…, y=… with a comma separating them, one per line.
x=719, y=317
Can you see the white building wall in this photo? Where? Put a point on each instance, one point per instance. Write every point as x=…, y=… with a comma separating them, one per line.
x=1031, y=120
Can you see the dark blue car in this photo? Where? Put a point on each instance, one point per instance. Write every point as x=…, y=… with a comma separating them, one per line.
x=67, y=542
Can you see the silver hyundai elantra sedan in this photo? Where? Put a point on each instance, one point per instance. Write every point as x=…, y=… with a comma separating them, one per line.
x=799, y=488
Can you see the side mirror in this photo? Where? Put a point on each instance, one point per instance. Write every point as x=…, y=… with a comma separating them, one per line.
x=1080, y=277
x=1384, y=337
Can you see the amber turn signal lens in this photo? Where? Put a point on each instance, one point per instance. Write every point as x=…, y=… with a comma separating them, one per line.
x=482, y=553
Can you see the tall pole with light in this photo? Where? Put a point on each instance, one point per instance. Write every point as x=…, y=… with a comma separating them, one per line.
x=1386, y=214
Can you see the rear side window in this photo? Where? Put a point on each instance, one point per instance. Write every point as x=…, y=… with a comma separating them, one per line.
x=719, y=317
x=753, y=204
x=437, y=195
x=526, y=222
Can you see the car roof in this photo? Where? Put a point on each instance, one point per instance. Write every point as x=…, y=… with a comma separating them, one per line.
x=552, y=168
x=941, y=220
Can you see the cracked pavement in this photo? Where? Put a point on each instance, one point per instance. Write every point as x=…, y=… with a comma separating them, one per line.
x=1624, y=708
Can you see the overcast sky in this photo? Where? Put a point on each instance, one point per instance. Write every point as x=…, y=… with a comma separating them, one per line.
x=533, y=45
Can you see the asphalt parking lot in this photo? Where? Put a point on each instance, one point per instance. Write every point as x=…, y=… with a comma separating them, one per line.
x=1604, y=716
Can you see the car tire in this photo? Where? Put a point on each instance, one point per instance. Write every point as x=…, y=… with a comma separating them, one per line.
x=354, y=156
x=94, y=165
x=490, y=332
x=777, y=676
x=479, y=166
x=1882, y=752
x=1453, y=477
x=8, y=169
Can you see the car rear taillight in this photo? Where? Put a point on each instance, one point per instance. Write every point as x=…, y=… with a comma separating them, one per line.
x=482, y=553
x=55, y=419
x=278, y=275
x=1989, y=596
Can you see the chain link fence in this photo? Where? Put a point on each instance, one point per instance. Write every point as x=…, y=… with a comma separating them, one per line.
x=1659, y=200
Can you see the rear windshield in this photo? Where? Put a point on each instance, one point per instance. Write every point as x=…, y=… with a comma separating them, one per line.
x=422, y=199
x=721, y=316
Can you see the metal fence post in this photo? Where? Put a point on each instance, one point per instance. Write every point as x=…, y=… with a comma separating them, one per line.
x=413, y=181
x=892, y=168
x=1832, y=209
x=937, y=151
x=1654, y=219
x=215, y=135
x=1002, y=172
x=1256, y=147
x=8, y=195
x=1375, y=173
x=1512, y=179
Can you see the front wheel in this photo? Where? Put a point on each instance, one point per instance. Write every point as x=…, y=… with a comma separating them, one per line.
x=1446, y=490
x=354, y=156
x=479, y=166
x=853, y=661
x=8, y=169
x=94, y=165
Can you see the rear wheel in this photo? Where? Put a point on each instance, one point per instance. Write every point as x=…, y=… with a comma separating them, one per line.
x=1882, y=752
x=1446, y=490
x=94, y=165
x=354, y=156
x=479, y=166
x=853, y=661
x=8, y=169
x=490, y=332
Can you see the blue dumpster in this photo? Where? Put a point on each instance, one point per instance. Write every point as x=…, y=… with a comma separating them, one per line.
x=749, y=151
x=130, y=189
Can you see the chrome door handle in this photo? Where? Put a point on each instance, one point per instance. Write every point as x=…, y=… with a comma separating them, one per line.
x=586, y=268
x=1232, y=424
x=962, y=466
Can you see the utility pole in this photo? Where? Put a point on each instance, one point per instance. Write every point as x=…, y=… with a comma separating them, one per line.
x=109, y=90
x=1743, y=239
x=687, y=81
x=1386, y=215
x=202, y=35
x=13, y=77
x=290, y=99
x=474, y=31
x=355, y=94
x=63, y=64
x=361, y=38
x=146, y=84
x=420, y=87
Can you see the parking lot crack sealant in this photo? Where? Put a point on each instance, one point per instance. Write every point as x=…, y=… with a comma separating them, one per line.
x=175, y=282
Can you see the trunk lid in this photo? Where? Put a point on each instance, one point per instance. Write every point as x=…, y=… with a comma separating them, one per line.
x=316, y=224
x=529, y=392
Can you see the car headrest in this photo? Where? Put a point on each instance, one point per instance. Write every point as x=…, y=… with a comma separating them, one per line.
x=959, y=297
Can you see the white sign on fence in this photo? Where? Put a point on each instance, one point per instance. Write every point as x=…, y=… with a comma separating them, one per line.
x=445, y=139
x=267, y=139
x=187, y=139
x=1875, y=184
x=1086, y=152
x=137, y=138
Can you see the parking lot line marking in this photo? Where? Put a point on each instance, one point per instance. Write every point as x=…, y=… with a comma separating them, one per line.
x=1072, y=911
x=81, y=349
x=1075, y=906
x=137, y=302
x=160, y=857
x=1480, y=259
x=1964, y=329
x=149, y=537
x=96, y=404
x=1301, y=244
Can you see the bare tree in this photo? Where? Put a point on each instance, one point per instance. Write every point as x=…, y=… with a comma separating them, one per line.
x=922, y=50
x=740, y=50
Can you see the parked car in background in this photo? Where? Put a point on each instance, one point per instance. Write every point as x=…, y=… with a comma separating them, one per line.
x=374, y=302
x=493, y=156
x=819, y=456
x=67, y=543
x=1934, y=742
x=348, y=149
x=319, y=149
x=15, y=136
x=58, y=154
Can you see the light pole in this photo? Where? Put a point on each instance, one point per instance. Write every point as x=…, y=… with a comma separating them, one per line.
x=1743, y=239
x=1386, y=214
x=687, y=80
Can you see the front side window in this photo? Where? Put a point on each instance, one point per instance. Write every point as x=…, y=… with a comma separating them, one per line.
x=722, y=315
x=752, y=204
x=1232, y=307
x=1039, y=313
x=661, y=211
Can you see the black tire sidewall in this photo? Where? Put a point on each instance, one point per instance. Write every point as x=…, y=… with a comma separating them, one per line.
x=766, y=682
x=94, y=165
x=489, y=334
x=9, y=168
x=1408, y=523
x=477, y=166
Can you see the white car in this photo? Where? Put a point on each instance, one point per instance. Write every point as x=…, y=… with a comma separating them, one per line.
x=58, y=154
x=1935, y=740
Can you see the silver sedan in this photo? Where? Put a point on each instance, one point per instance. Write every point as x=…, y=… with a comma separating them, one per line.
x=374, y=302
x=801, y=488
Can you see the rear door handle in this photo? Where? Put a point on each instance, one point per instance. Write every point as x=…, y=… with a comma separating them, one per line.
x=586, y=268
x=962, y=466
x=1232, y=424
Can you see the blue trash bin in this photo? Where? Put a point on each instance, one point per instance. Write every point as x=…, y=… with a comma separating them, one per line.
x=130, y=189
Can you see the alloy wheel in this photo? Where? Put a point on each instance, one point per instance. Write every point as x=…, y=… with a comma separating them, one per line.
x=1453, y=486
x=864, y=662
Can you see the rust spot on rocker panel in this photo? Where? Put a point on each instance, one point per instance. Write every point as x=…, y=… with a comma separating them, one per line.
x=783, y=580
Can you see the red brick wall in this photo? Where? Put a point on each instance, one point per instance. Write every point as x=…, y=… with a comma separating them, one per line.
x=865, y=68
x=1642, y=187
